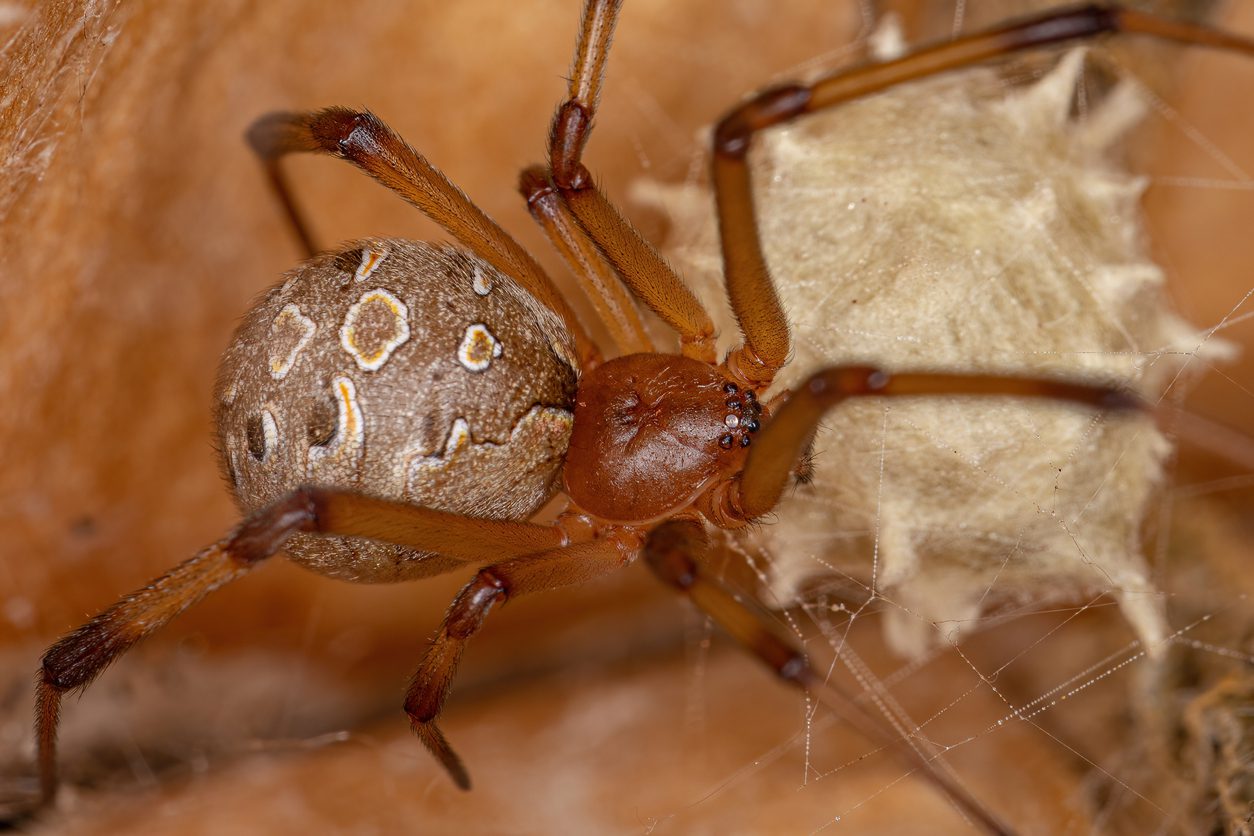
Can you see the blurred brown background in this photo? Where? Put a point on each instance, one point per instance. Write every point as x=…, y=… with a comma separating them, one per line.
x=135, y=228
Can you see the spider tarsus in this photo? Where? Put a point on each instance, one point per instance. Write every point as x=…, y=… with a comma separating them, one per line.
x=437, y=745
x=47, y=715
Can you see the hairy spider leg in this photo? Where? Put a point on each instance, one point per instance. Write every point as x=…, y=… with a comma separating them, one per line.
x=613, y=305
x=79, y=657
x=494, y=585
x=785, y=438
x=638, y=264
x=367, y=142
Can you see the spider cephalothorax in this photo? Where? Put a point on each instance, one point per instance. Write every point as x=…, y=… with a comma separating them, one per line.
x=653, y=432
x=395, y=410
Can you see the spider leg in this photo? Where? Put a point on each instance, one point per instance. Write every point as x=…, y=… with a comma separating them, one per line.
x=494, y=585
x=613, y=304
x=281, y=186
x=367, y=142
x=788, y=433
x=674, y=551
x=749, y=284
x=79, y=657
x=640, y=266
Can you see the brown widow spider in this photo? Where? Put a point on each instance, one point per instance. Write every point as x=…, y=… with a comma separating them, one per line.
x=654, y=444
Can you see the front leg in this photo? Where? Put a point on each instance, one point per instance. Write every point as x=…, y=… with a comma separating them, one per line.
x=782, y=443
x=73, y=662
x=640, y=266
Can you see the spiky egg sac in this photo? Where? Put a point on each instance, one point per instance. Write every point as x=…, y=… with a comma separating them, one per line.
x=962, y=224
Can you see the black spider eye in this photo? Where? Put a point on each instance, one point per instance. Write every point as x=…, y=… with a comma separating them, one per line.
x=745, y=441
x=752, y=425
x=730, y=388
x=725, y=442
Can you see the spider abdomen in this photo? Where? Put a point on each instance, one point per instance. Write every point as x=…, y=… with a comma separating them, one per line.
x=402, y=370
x=650, y=434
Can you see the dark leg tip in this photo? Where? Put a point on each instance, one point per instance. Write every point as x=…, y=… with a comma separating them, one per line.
x=433, y=739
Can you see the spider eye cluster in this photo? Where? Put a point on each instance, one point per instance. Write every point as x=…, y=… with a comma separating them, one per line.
x=744, y=417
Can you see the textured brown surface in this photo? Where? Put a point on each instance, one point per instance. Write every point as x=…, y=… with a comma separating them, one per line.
x=457, y=396
x=135, y=229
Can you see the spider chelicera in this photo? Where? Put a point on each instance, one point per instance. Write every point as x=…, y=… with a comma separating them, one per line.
x=396, y=410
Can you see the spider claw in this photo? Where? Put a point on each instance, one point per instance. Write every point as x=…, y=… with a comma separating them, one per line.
x=433, y=739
